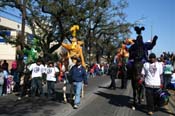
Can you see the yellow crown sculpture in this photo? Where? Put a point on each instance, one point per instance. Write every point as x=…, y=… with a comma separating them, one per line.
x=74, y=30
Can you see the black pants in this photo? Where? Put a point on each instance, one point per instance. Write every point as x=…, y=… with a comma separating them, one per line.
x=152, y=98
x=124, y=78
x=4, y=90
x=166, y=80
x=124, y=82
x=36, y=84
x=113, y=84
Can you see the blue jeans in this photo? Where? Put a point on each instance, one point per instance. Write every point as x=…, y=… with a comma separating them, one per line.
x=17, y=77
x=77, y=91
x=36, y=84
x=1, y=87
x=166, y=80
x=50, y=88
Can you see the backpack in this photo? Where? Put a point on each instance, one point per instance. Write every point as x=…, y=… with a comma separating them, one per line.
x=163, y=97
x=1, y=78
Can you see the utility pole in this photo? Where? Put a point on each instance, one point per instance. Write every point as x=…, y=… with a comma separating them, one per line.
x=23, y=5
x=21, y=36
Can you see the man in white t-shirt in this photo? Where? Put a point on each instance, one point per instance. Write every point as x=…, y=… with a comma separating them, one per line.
x=51, y=72
x=152, y=73
x=36, y=82
x=173, y=77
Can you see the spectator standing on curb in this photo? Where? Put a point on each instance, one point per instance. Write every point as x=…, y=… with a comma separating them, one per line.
x=36, y=82
x=20, y=70
x=5, y=65
x=1, y=80
x=25, y=83
x=152, y=72
x=51, y=72
x=78, y=75
x=4, y=91
x=167, y=72
x=171, y=85
x=13, y=72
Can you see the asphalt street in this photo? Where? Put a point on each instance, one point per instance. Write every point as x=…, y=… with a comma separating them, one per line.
x=98, y=101
x=117, y=102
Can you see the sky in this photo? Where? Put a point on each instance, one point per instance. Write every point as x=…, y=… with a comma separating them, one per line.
x=159, y=19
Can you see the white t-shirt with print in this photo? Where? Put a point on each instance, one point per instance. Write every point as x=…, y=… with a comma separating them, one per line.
x=37, y=70
x=173, y=78
x=50, y=71
x=152, y=72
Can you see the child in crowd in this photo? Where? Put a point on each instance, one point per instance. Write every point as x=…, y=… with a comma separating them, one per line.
x=10, y=84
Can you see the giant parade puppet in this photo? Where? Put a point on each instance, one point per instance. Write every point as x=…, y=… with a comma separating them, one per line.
x=74, y=52
x=75, y=48
x=130, y=58
x=139, y=54
x=31, y=53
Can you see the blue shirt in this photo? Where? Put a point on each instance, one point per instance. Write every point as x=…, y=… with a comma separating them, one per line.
x=5, y=74
x=78, y=74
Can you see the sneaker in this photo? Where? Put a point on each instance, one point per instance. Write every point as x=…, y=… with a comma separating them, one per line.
x=19, y=98
x=4, y=94
x=133, y=108
x=150, y=113
x=27, y=95
x=75, y=106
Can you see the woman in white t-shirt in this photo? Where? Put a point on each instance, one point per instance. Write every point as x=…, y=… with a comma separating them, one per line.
x=51, y=72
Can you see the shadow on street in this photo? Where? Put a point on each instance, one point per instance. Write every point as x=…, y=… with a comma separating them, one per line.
x=126, y=101
x=30, y=105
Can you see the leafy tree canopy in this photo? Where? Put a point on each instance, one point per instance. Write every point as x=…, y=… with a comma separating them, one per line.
x=102, y=24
